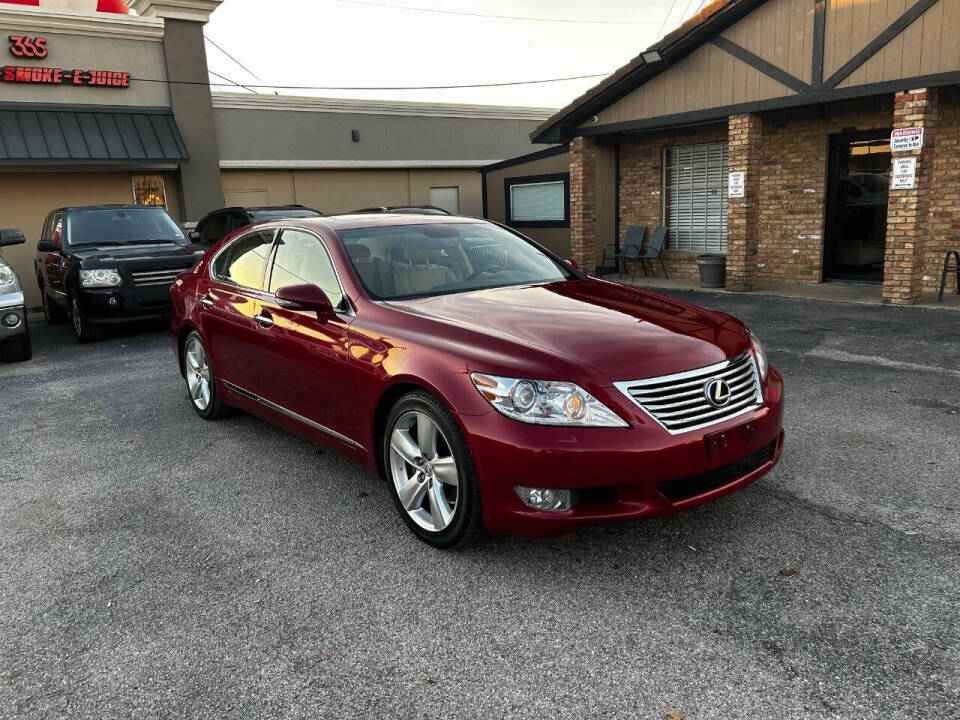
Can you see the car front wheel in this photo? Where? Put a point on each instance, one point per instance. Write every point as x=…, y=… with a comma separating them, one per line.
x=82, y=327
x=201, y=383
x=430, y=472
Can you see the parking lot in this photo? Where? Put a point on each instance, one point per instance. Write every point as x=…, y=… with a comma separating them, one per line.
x=154, y=565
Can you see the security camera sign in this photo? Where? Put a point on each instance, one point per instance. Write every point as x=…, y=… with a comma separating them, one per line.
x=905, y=139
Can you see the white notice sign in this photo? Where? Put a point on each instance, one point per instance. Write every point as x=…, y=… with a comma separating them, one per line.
x=737, y=180
x=904, y=139
x=904, y=173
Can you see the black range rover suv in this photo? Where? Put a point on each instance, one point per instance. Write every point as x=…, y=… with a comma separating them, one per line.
x=108, y=264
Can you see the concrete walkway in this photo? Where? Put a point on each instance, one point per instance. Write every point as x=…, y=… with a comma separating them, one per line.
x=837, y=291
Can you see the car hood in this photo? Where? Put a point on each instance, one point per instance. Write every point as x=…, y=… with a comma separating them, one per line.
x=621, y=332
x=167, y=254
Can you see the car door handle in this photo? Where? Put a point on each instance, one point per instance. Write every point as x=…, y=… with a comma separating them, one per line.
x=206, y=302
x=264, y=319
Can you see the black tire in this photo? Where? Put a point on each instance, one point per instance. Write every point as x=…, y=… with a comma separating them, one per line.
x=54, y=314
x=19, y=348
x=83, y=329
x=214, y=410
x=466, y=524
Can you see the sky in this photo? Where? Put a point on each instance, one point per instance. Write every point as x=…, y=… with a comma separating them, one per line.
x=377, y=43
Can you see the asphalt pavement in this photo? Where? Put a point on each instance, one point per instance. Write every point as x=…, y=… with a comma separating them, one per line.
x=153, y=565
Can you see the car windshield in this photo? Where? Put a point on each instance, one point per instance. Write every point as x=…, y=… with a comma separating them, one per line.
x=279, y=214
x=122, y=226
x=438, y=259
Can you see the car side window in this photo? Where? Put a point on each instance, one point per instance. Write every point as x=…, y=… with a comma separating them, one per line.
x=56, y=228
x=244, y=261
x=302, y=258
x=214, y=228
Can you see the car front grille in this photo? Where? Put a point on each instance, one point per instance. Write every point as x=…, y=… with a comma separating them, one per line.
x=683, y=488
x=679, y=402
x=146, y=278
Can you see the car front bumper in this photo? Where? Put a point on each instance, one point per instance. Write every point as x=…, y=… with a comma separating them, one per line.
x=619, y=474
x=12, y=304
x=125, y=304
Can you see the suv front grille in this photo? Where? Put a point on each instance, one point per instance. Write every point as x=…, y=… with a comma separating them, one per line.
x=679, y=402
x=683, y=488
x=146, y=278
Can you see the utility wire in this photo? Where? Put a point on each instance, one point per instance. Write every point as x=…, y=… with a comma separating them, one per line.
x=228, y=80
x=378, y=87
x=496, y=17
x=669, y=13
x=245, y=68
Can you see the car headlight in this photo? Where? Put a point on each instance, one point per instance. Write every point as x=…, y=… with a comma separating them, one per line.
x=101, y=277
x=8, y=280
x=545, y=402
x=761, y=355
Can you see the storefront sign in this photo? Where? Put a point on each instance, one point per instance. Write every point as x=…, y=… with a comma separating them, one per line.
x=737, y=183
x=904, y=139
x=24, y=46
x=904, y=173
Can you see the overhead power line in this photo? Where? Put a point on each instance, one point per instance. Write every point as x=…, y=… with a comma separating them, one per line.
x=378, y=87
x=498, y=17
x=237, y=62
x=228, y=80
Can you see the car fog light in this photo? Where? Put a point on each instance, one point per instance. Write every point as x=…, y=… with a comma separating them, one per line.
x=112, y=301
x=548, y=499
x=11, y=320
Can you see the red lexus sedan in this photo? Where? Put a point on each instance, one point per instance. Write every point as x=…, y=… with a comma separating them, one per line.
x=490, y=383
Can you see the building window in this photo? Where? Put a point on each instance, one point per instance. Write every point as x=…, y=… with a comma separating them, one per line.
x=446, y=198
x=149, y=190
x=538, y=200
x=695, y=197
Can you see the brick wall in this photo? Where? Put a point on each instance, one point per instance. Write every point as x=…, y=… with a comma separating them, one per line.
x=641, y=184
x=583, y=192
x=943, y=218
x=745, y=132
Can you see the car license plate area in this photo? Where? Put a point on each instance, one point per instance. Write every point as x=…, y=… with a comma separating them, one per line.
x=727, y=446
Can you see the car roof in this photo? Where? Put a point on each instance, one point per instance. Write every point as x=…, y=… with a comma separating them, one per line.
x=119, y=206
x=370, y=220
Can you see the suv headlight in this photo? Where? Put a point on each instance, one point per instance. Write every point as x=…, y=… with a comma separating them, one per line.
x=102, y=277
x=761, y=355
x=545, y=402
x=8, y=280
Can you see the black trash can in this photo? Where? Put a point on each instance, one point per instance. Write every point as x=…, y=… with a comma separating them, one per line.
x=713, y=270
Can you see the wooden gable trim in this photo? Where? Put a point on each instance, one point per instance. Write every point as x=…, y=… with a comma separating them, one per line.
x=757, y=62
x=877, y=44
x=819, y=38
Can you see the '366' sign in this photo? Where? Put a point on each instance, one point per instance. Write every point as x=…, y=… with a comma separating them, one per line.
x=23, y=46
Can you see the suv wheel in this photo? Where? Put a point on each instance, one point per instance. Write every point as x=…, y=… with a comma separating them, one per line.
x=430, y=472
x=82, y=327
x=201, y=382
x=18, y=348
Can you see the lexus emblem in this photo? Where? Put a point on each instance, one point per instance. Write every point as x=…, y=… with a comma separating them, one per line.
x=717, y=392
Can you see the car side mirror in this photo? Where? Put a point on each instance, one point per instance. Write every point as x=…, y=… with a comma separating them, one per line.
x=47, y=246
x=305, y=297
x=194, y=236
x=11, y=237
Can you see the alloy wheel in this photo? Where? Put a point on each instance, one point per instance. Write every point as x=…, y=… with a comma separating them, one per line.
x=197, y=368
x=424, y=471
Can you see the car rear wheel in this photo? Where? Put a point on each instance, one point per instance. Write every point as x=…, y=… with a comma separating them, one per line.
x=53, y=313
x=82, y=327
x=201, y=383
x=430, y=472
x=19, y=348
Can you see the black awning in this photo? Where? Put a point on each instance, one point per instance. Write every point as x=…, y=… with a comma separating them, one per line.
x=89, y=136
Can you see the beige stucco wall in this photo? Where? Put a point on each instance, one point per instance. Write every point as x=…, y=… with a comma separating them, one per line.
x=27, y=198
x=338, y=191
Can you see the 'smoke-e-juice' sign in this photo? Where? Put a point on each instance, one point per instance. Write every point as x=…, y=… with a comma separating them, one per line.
x=22, y=46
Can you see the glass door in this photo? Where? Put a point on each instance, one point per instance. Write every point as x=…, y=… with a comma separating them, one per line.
x=856, y=224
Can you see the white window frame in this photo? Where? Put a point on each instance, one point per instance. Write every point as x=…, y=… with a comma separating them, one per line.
x=706, y=198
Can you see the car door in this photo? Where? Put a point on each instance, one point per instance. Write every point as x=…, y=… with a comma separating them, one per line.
x=53, y=261
x=308, y=356
x=229, y=304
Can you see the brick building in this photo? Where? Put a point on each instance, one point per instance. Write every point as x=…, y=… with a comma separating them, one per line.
x=802, y=97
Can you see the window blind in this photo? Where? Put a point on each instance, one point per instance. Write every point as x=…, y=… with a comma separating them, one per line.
x=695, y=197
x=543, y=201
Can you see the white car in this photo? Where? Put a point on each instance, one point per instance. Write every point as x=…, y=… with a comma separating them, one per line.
x=14, y=333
